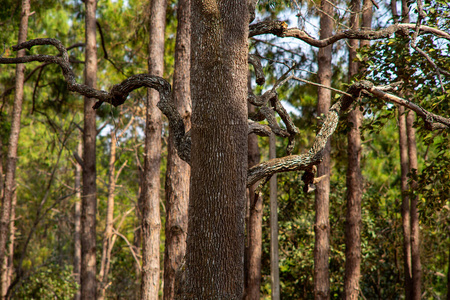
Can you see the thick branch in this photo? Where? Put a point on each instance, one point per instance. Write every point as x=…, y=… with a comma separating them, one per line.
x=281, y=29
x=256, y=63
x=118, y=93
x=314, y=155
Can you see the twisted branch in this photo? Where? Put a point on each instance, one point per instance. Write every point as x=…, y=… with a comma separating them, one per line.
x=281, y=29
x=118, y=93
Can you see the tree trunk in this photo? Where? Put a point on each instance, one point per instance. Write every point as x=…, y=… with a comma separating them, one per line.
x=354, y=178
x=151, y=220
x=416, y=267
x=322, y=203
x=77, y=221
x=11, y=160
x=274, y=256
x=254, y=226
x=405, y=210
x=89, y=199
x=215, y=243
x=178, y=171
x=107, y=235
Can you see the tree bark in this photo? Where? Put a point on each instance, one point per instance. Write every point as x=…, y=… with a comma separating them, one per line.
x=77, y=221
x=405, y=210
x=107, y=235
x=151, y=219
x=254, y=226
x=178, y=171
x=89, y=198
x=322, y=193
x=11, y=159
x=354, y=178
x=215, y=243
x=274, y=256
x=416, y=266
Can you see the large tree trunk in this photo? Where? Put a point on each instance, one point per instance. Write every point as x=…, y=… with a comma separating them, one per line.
x=11, y=160
x=151, y=219
x=178, y=171
x=89, y=199
x=77, y=221
x=254, y=226
x=416, y=267
x=215, y=243
x=354, y=178
x=322, y=203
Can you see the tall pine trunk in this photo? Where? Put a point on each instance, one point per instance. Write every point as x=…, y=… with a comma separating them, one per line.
x=215, y=243
x=89, y=197
x=11, y=159
x=77, y=221
x=107, y=235
x=322, y=203
x=178, y=171
x=416, y=266
x=151, y=219
x=405, y=209
x=254, y=226
x=354, y=178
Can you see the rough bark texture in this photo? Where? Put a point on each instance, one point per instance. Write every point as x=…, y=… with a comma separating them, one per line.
x=11, y=159
x=89, y=198
x=274, y=255
x=354, y=180
x=151, y=219
x=254, y=226
x=416, y=267
x=178, y=171
x=77, y=221
x=215, y=243
x=322, y=203
x=405, y=210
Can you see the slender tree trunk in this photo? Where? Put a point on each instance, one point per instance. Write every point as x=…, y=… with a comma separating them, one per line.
x=215, y=243
x=405, y=210
x=448, y=277
x=11, y=160
x=151, y=220
x=322, y=203
x=254, y=226
x=107, y=235
x=274, y=257
x=89, y=198
x=9, y=260
x=178, y=171
x=354, y=180
x=416, y=266
x=77, y=221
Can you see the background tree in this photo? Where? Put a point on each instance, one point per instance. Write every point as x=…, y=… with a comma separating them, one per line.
x=178, y=171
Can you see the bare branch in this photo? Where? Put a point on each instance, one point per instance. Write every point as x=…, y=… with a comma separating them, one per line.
x=118, y=93
x=281, y=29
x=314, y=155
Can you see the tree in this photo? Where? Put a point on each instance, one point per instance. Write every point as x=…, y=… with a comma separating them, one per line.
x=354, y=177
x=11, y=159
x=151, y=220
x=89, y=174
x=322, y=203
x=178, y=171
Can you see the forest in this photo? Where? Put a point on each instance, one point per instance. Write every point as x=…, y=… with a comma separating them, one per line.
x=224, y=149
